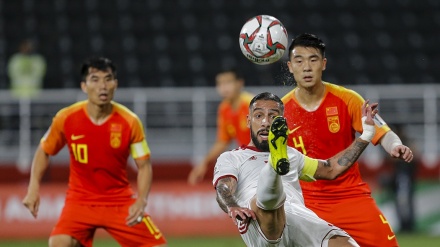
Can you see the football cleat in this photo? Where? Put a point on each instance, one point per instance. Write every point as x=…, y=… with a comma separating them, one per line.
x=278, y=146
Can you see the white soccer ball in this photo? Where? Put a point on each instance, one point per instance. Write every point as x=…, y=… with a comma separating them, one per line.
x=263, y=39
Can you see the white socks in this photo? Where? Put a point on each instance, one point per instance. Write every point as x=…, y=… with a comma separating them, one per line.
x=270, y=191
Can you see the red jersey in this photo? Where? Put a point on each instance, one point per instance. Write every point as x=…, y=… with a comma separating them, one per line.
x=98, y=153
x=325, y=132
x=232, y=123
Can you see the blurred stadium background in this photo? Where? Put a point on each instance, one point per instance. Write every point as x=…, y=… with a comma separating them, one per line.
x=168, y=52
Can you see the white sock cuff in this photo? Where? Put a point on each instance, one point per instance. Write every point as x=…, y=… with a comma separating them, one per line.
x=276, y=205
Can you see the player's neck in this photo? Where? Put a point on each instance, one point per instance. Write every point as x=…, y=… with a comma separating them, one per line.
x=235, y=101
x=310, y=97
x=99, y=113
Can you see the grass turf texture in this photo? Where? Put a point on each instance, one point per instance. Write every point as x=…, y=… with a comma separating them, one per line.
x=405, y=240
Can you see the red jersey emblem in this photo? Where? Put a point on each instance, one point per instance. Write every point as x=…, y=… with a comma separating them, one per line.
x=115, y=139
x=333, y=124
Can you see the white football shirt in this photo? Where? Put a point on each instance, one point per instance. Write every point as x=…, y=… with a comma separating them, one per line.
x=245, y=164
x=303, y=227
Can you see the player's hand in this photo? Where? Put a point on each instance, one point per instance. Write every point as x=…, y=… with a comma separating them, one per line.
x=136, y=212
x=369, y=111
x=197, y=174
x=402, y=152
x=242, y=214
x=32, y=202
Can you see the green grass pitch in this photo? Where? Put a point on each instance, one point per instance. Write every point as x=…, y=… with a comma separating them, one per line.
x=405, y=240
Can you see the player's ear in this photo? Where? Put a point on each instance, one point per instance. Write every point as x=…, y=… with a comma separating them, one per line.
x=83, y=86
x=248, y=121
x=324, y=63
x=289, y=65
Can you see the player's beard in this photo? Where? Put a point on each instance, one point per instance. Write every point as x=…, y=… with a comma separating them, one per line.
x=262, y=146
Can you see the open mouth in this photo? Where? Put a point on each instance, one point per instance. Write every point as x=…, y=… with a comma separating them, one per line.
x=308, y=78
x=264, y=134
x=103, y=96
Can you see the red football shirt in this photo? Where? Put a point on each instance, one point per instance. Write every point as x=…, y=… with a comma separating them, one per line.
x=231, y=123
x=326, y=131
x=98, y=153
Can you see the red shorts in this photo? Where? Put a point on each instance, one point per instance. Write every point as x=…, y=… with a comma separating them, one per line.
x=81, y=222
x=361, y=218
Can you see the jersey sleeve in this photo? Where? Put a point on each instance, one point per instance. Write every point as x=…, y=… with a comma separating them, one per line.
x=355, y=110
x=54, y=140
x=139, y=147
x=305, y=166
x=225, y=167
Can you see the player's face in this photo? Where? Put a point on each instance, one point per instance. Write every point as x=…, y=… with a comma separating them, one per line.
x=306, y=64
x=259, y=120
x=99, y=86
x=228, y=86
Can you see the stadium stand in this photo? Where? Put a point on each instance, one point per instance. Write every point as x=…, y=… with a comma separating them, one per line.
x=183, y=43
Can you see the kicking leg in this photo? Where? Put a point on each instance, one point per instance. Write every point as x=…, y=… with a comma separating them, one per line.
x=268, y=203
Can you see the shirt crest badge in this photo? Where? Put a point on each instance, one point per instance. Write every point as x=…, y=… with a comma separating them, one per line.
x=115, y=135
x=333, y=124
x=115, y=139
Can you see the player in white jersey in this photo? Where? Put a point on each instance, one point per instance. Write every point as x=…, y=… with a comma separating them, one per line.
x=258, y=185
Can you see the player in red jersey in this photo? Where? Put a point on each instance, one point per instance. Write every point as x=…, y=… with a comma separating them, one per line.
x=100, y=135
x=323, y=119
x=231, y=119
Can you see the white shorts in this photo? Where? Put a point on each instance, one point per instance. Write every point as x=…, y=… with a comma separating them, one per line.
x=303, y=229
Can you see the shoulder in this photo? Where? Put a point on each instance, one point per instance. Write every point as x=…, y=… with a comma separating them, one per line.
x=237, y=155
x=288, y=96
x=70, y=110
x=15, y=57
x=246, y=97
x=224, y=104
x=124, y=111
x=345, y=94
x=232, y=153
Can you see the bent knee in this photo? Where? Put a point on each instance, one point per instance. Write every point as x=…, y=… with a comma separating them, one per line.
x=63, y=240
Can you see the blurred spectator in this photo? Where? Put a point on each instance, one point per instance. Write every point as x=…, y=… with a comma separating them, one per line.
x=26, y=70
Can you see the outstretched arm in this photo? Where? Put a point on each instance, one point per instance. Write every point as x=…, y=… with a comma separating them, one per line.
x=338, y=164
x=228, y=203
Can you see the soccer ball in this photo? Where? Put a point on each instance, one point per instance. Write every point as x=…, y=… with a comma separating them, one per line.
x=263, y=39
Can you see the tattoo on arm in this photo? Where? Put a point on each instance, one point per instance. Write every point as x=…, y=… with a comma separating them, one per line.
x=225, y=193
x=352, y=154
x=336, y=165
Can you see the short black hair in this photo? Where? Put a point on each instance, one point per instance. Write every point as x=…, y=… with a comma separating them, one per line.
x=307, y=40
x=99, y=63
x=267, y=96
